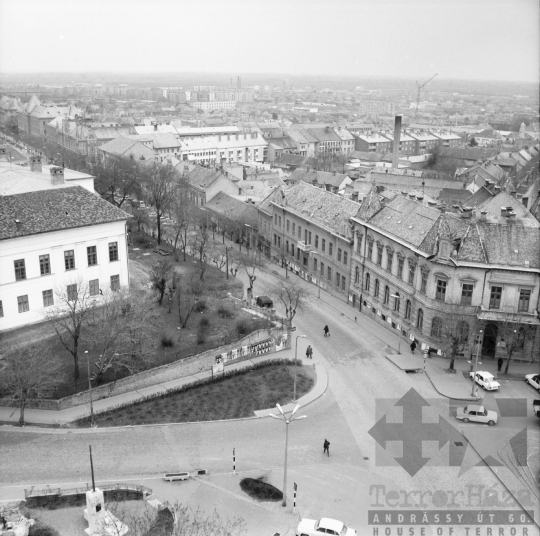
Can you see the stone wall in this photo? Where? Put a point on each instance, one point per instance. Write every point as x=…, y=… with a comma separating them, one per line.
x=179, y=369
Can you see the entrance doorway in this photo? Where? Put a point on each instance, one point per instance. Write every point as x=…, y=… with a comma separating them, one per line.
x=489, y=344
x=354, y=300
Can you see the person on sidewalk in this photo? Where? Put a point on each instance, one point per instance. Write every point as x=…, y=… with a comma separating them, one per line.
x=500, y=364
x=326, y=331
x=309, y=352
x=326, y=447
x=413, y=347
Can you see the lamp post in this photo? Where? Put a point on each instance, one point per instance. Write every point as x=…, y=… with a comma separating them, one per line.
x=476, y=363
x=295, y=354
x=287, y=422
x=90, y=391
x=398, y=297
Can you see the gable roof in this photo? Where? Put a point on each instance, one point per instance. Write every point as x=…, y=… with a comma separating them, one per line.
x=233, y=209
x=123, y=146
x=201, y=177
x=313, y=176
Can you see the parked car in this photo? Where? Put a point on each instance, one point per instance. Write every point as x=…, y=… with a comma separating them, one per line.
x=485, y=380
x=536, y=408
x=477, y=414
x=533, y=380
x=312, y=527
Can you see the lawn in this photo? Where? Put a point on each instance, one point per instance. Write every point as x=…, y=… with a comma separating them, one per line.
x=247, y=392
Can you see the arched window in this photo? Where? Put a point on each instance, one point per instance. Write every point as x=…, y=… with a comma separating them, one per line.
x=420, y=320
x=386, y=295
x=463, y=331
x=436, y=327
x=397, y=301
x=408, y=309
x=377, y=286
x=368, y=282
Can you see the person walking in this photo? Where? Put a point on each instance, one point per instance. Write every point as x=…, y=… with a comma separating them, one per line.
x=309, y=352
x=326, y=331
x=500, y=364
x=326, y=447
x=413, y=347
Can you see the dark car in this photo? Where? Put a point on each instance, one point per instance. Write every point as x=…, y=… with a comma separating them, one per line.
x=264, y=301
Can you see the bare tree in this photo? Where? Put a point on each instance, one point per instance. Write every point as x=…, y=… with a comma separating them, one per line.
x=117, y=178
x=183, y=215
x=141, y=217
x=235, y=261
x=515, y=335
x=160, y=275
x=250, y=264
x=30, y=373
x=455, y=333
x=161, y=183
x=188, y=292
x=200, y=242
x=121, y=331
x=69, y=317
x=291, y=295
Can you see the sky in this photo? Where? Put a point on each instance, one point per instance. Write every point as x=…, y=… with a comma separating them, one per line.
x=459, y=39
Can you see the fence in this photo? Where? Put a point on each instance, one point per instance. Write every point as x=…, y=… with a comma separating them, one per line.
x=47, y=492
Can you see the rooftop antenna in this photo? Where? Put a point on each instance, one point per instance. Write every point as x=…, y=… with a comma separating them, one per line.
x=418, y=92
x=92, y=469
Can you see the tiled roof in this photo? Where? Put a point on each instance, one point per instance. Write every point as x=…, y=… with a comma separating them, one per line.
x=54, y=210
x=450, y=197
x=164, y=140
x=492, y=205
x=123, y=146
x=313, y=176
x=328, y=211
x=324, y=134
x=266, y=204
x=201, y=177
x=370, y=205
x=234, y=209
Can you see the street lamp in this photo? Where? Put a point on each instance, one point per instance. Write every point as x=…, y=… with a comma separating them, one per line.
x=295, y=353
x=90, y=391
x=287, y=422
x=476, y=363
x=398, y=297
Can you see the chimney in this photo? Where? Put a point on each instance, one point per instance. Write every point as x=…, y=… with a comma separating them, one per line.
x=497, y=189
x=397, y=137
x=513, y=193
x=35, y=164
x=467, y=212
x=432, y=203
x=57, y=175
x=482, y=216
x=354, y=196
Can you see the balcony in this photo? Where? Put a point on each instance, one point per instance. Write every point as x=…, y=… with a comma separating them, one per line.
x=302, y=246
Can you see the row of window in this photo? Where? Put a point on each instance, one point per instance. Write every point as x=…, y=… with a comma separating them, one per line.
x=69, y=261
x=48, y=296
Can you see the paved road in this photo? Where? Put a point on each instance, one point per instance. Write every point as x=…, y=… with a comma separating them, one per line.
x=363, y=385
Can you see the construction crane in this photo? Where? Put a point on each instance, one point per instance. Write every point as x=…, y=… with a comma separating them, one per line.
x=418, y=92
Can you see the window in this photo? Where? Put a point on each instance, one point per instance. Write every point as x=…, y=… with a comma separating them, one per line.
x=69, y=259
x=386, y=295
x=338, y=279
x=113, y=251
x=275, y=219
x=379, y=254
x=322, y=269
x=524, y=300
x=330, y=248
x=72, y=292
x=22, y=301
x=408, y=309
x=420, y=320
x=397, y=303
x=314, y=265
x=293, y=228
x=323, y=244
x=368, y=282
x=20, y=270
x=400, y=263
x=115, y=282
x=292, y=250
x=44, y=265
x=358, y=243
x=91, y=253
x=356, y=275
x=436, y=327
x=343, y=282
x=389, y=259
x=423, y=284
x=345, y=257
x=288, y=222
x=316, y=241
x=412, y=271
x=495, y=298
x=339, y=254
x=279, y=222
x=377, y=288
x=299, y=231
x=466, y=293
x=305, y=261
x=93, y=286
x=370, y=250
x=329, y=274
x=287, y=246
x=309, y=238
x=48, y=298
x=440, y=293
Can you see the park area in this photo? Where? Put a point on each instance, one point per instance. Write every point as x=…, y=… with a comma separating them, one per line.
x=231, y=397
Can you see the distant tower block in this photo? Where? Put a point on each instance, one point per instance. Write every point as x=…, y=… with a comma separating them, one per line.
x=238, y=82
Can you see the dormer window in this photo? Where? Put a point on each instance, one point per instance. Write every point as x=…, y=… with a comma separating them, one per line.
x=444, y=249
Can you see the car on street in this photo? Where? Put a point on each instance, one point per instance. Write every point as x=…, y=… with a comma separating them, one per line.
x=533, y=380
x=325, y=525
x=485, y=380
x=477, y=414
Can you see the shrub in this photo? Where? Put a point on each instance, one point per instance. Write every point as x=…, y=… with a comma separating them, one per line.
x=42, y=530
x=242, y=327
x=258, y=489
x=224, y=312
x=200, y=306
x=167, y=341
x=204, y=325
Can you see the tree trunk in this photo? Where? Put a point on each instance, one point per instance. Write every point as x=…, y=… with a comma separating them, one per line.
x=507, y=363
x=21, y=410
x=158, y=221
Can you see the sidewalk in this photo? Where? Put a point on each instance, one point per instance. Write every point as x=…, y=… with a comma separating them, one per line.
x=65, y=416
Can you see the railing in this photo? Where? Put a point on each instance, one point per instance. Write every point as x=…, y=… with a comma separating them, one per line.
x=44, y=492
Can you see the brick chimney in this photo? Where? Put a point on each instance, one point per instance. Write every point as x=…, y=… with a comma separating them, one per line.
x=397, y=137
x=57, y=175
x=35, y=164
x=513, y=193
x=467, y=212
x=482, y=216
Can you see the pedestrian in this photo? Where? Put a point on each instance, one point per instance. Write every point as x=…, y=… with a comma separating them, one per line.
x=500, y=364
x=413, y=347
x=326, y=446
x=326, y=331
x=309, y=352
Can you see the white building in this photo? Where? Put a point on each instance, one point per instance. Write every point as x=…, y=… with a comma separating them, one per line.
x=214, y=105
x=376, y=107
x=55, y=232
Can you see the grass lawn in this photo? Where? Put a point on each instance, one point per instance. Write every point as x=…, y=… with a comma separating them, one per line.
x=258, y=389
